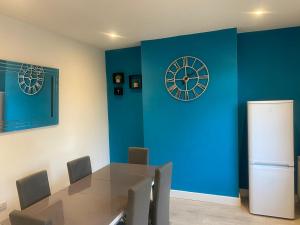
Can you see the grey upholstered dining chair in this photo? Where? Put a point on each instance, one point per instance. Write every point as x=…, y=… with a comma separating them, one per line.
x=18, y=218
x=33, y=188
x=79, y=168
x=159, y=211
x=137, y=212
x=137, y=155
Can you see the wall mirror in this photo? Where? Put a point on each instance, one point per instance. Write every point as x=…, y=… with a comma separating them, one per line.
x=28, y=96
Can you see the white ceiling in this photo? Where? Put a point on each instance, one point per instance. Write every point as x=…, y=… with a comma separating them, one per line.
x=136, y=20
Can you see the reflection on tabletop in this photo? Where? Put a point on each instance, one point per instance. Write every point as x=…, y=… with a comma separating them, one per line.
x=102, y=197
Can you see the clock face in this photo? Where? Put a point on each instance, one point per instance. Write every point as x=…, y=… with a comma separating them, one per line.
x=31, y=79
x=186, y=78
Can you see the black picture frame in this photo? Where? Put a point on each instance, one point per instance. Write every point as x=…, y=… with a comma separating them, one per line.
x=118, y=78
x=135, y=81
x=118, y=91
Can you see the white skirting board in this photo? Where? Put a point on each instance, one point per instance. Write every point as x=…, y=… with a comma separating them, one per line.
x=236, y=201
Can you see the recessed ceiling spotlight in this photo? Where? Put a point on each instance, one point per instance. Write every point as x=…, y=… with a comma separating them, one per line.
x=259, y=12
x=113, y=35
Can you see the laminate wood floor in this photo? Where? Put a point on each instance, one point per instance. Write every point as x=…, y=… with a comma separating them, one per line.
x=187, y=212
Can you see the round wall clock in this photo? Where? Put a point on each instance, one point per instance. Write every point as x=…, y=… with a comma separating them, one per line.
x=31, y=79
x=186, y=78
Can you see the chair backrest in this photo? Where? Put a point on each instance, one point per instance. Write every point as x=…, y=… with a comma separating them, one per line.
x=161, y=195
x=137, y=212
x=33, y=188
x=18, y=218
x=138, y=155
x=79, y=168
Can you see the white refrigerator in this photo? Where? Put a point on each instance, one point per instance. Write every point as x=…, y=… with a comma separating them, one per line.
x=271, y=158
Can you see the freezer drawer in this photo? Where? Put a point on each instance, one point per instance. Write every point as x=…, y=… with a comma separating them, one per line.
x=271, y=191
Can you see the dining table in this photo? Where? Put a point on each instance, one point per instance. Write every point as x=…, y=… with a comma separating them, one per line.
x=98, y=199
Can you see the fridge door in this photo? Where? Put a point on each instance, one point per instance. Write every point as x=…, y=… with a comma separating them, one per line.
x=271, y=132
x=271, y=191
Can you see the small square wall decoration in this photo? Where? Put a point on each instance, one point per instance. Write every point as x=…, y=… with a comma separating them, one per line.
x=135, y=81
x=118, y=91
x=118, y=78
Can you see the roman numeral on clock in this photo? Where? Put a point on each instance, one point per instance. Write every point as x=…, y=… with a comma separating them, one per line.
x=186, y=95
x=201, y=86
x=178, y=93
x=201, y=68
x=203, y=77
x=185, y=61
x=170, y=71
x=172, y=88
x=195, y=93
x=176, y=65
x=171, y=79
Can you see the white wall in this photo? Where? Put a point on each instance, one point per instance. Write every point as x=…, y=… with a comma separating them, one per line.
x=83, y=125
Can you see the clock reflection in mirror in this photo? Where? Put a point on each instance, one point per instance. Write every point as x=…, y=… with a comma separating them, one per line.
x=28, y=96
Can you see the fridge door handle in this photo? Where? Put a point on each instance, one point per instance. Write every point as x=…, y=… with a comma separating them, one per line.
x=271, y=164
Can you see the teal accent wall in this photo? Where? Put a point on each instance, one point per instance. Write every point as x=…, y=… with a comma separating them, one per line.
x=125, y=112
x=268, y=68
x=2, y=81
x=200, y=137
